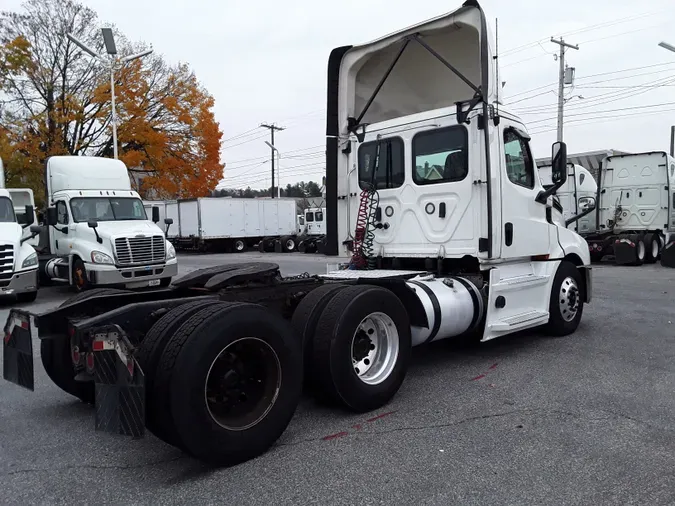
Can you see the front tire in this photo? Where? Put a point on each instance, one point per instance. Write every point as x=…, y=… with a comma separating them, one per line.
x=80, y=281
x=653, y=248
x=567, y=300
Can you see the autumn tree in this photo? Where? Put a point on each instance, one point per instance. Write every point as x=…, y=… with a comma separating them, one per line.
x=55, y=99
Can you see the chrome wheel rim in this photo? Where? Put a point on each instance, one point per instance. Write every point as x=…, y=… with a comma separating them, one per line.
x=242, y=384
x=375, y=348
x=568, y=299
x=655, y=248
x=290, y=244
x=239, y=245
x=640, y=250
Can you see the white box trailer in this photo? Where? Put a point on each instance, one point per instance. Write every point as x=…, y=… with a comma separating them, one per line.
x=236, y=223
x=635, y=213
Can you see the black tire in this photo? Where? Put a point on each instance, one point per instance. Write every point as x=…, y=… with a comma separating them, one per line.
x=238, y=245
x=26, y=297
x=56, y=359
x=306, y=316
x=192, y=353
x=80, y=281
x=640, y=249
x=288, y=244
x=331, y=365
x=558, y=323
x=653, y=248
x=261, y=245
x=150, y=352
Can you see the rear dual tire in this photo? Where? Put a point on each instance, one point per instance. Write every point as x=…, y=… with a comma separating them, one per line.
x=358, y=344
x=226, y=383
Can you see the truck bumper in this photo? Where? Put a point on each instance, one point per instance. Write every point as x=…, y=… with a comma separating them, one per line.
x=132, y=277
x=21, y=282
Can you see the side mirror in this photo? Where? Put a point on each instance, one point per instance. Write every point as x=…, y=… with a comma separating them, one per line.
x=155, y=214
x=586, y=206
x=558, y=171
x=168, y=221
x=29, y=215
x=52, y=216
x=587, y=203
x=559, y=163
x=36, y=229
x=92, y=223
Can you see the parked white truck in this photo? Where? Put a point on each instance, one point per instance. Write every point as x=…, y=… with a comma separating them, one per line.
x=472, y=254
x=575, y=200
x=18, y=259
x=314, y=237
x=98, y=233
x=636, y=210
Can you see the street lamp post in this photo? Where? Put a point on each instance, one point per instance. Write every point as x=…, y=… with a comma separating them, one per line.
x=670, y=47
x=278, y=168
x=111, y=49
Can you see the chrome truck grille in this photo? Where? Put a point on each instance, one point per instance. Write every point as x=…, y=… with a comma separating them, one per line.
x=140, y=250
x=6, y=261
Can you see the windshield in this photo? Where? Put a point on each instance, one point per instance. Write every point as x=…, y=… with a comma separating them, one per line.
x=107, y=209
x=6, y=211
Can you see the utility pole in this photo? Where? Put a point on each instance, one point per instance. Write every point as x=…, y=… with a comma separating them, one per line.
x=272, y=128
x=561, y=82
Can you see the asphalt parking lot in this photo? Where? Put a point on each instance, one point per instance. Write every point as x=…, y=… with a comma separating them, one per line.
x=527, y=419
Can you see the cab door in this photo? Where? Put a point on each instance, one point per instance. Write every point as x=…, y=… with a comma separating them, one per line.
x=525, y=228
x=61, y=233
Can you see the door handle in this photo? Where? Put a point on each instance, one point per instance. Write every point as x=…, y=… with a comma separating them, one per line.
x=508, y=234
x=441, y=210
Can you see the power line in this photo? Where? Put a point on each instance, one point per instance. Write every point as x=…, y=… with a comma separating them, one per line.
x=593, y=113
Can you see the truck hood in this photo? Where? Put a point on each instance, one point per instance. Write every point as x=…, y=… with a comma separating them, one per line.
x=10, y=233
x=128, y=228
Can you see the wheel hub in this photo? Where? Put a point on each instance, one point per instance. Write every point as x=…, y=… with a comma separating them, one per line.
x=569, y=299
x=375, y=347
x=242, y=384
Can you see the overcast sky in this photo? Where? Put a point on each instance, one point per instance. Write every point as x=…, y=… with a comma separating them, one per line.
x=266, y=62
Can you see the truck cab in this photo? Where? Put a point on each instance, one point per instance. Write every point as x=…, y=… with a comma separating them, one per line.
x=315, y=221
x=428, y=173
x=98, y=230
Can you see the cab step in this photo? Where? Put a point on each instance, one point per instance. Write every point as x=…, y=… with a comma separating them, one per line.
x=522, y=320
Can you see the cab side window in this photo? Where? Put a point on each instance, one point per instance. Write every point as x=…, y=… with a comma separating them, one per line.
x=62, y=213
x=519, y=163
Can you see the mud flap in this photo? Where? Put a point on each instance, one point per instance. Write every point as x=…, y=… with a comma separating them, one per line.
x=120, y=386
x=668, y=255
x=625, y=252
x=17, y=348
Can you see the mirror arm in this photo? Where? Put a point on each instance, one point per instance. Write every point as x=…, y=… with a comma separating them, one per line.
x=543, y=196
x=579, y=216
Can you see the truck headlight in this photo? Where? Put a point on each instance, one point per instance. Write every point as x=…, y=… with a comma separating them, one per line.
x=99, y=257
x=170, y=252
x=30, y=261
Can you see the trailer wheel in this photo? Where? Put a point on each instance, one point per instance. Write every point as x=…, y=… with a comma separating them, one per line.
x=56, y=359
x=239, y=246
x=149, y=354
x=361, y=348
x=288, y=244
x=640, y=249
x=567, y=300
x=652, y=248
x=307, y=314
x=235, y=382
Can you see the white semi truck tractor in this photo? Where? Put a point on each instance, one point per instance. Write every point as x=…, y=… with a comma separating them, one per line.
x=574, y=201
x=432, y=192
x=18, y=259
x=98, y=233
